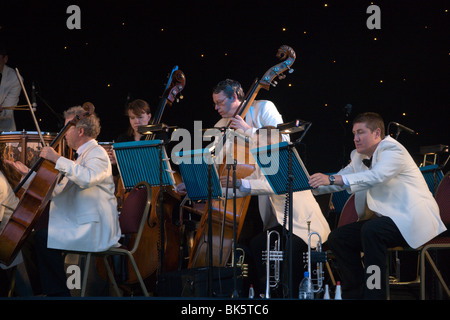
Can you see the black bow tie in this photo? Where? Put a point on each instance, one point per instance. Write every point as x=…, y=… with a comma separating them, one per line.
x=367, y=162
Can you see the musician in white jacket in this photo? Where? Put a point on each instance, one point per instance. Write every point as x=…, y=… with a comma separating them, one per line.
x=83, y=212
x=393, y=202
x=9, y=93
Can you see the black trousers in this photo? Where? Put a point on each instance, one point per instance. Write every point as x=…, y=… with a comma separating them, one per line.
x=372, y=237
x=50, y=265
x=259, y=244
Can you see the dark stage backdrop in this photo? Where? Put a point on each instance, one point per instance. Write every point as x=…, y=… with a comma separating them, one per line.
x=127, y=48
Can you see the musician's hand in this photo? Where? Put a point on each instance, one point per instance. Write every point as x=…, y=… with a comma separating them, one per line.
x=320, y=179
x=237, y=123
x=223, y=182
x=181, y=188
x=23, y=169
x=50, y=154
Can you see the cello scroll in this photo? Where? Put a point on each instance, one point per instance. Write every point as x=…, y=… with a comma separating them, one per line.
x=177, y=85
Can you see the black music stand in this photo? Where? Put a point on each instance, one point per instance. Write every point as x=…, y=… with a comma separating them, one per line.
x=136, y=161
x=195, y=166
x=288, y=176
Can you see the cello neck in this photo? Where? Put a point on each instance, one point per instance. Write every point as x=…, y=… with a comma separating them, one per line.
x=175, y=85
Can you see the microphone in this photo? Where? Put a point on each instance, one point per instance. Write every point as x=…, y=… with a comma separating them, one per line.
x=348, y=109
x=402, y=127
x=33, y=95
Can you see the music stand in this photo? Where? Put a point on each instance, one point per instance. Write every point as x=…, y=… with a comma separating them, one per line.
x=195, y=166
x=137, y=161
x=194, y=169
x=286, y=175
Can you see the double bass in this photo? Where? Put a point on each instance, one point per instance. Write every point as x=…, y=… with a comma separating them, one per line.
x=223, y=221
x=34, y=199
x=159, y=245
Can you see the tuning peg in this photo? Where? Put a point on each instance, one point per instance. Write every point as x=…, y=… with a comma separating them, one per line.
x=281, y=76
x=291, y=70
x=274, y=84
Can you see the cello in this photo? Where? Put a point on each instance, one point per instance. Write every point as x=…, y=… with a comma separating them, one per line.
x=34, y=199
x=160, y=234
x=223, y=221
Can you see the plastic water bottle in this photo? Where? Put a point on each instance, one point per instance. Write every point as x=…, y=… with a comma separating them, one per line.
x=251, y=292
x=305, y=291
x=326, y=295
x=337, y=295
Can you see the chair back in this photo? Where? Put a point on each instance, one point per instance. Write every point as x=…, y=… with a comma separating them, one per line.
x=348, y=213
x=135, y=209
x=442, y=197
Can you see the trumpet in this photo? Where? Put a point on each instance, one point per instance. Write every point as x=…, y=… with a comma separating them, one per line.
x=315, y=257
x=240, y=263
x=275, y=255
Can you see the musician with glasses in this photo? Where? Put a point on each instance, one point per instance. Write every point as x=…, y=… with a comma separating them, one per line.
x=83, y=212
x=228, y=95
x=393, y=202
x=305, y=208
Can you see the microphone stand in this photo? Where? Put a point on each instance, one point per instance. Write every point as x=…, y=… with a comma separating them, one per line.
x=161, y=211
x=233, y=247
x=57, y=115
x=290, y=212
x=210, y=249
x=235, y=293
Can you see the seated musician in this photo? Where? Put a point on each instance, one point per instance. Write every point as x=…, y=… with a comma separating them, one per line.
x=139, y=114
x=393, y=202
x=83, y=214
x=8, y=201
x=228, y=95
x=9, y=92
x=305, y=208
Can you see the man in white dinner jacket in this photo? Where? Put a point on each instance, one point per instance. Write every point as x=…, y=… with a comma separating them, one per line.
x=83, y=212
x=227, y=97
x=393, y=202
x=9, y=92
